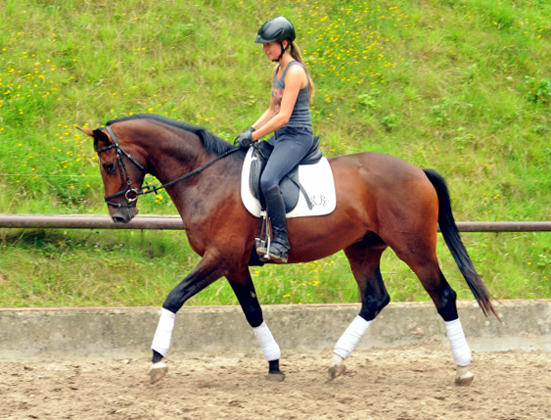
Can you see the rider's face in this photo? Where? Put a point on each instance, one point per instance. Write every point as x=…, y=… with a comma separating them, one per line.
x=272, y=50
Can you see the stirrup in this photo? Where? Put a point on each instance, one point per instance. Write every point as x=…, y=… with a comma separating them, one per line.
x=260, y=247
x=274, y=252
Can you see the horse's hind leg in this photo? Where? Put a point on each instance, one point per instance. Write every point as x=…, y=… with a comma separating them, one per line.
x=364, y=258
x=444, y=297
x=243, y=288
x=425, y=265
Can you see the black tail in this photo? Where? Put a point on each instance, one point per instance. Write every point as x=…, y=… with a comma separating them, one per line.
x=455, y=244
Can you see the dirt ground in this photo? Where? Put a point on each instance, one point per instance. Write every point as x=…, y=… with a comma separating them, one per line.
x=398, y=384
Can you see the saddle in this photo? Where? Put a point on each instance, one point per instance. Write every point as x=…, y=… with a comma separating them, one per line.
x=290, y=185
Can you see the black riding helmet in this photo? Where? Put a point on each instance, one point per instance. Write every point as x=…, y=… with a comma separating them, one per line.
x=277, y=30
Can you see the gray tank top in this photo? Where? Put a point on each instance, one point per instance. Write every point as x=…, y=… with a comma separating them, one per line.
x=301, y=112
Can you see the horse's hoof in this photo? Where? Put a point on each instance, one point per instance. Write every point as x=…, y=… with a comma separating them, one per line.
x=157, y=372
x=464, y=381
x=463, y=377
x=337, y=367
x=275, y=377
x=335, y=371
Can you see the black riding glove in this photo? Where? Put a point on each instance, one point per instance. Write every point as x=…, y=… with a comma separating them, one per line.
x=245, y=139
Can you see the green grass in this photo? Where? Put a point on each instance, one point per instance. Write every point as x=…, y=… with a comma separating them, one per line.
x=459, y=86
x=130, y=268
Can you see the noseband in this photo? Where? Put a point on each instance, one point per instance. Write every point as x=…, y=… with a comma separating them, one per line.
x=132, y=194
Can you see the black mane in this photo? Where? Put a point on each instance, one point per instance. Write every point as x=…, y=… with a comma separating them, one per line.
x=212, y=143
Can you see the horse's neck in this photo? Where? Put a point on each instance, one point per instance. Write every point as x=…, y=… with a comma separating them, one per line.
x=174, y=160
x=170, y=160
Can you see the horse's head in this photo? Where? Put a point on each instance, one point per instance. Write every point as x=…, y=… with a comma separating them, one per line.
x=121, y=172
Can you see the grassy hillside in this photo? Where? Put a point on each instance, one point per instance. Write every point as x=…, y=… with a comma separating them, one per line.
x=463, y=87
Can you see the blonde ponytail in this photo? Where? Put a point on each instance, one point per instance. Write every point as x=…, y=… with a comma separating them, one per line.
x=295, y=53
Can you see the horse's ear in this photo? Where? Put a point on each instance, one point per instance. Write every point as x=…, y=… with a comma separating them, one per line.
x=87, y=131
x=98, y=135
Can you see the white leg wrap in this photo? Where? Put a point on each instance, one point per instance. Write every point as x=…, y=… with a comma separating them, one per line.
x=163, y=335
x=267, y=342
x=351, y=336
x=460, y=349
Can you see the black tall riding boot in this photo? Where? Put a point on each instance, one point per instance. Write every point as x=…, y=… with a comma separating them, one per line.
x=279, y=247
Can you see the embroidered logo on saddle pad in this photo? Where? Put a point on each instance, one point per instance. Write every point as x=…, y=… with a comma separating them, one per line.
x=316, y=180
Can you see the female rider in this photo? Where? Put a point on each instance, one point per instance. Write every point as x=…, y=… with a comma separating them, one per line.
x=288, y=117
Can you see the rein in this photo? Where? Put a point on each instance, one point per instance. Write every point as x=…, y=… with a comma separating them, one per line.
x=132, y=194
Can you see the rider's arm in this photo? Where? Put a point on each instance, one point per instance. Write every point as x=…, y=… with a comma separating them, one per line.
x=295, y=79
x=267, y=116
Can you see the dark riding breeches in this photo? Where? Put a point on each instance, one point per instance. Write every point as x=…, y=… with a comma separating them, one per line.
x=291, y=145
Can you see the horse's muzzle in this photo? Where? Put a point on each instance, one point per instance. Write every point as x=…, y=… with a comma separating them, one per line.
x=123, y=214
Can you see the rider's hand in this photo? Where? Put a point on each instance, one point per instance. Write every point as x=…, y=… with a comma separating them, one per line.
x=245, y=139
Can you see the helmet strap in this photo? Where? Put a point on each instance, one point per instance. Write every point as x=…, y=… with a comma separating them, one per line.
x=283, y=49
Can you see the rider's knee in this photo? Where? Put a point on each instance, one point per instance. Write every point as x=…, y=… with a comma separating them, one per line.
x=266, y=183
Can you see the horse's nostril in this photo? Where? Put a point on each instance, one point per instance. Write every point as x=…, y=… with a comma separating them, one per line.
x=119, y=219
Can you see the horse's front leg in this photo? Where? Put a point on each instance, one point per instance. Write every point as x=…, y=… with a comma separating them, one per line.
x=364, y=258
x=243, y=287
x=205, y=273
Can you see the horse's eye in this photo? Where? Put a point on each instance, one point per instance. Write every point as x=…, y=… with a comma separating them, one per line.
x=109, y=167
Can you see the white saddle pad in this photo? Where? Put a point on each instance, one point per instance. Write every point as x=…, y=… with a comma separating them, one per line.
x=316, y=179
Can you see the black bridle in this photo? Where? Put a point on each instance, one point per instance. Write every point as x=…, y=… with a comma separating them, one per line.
x=132, y=194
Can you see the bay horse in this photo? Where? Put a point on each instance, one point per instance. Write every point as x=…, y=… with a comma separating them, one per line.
x=382, y=201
